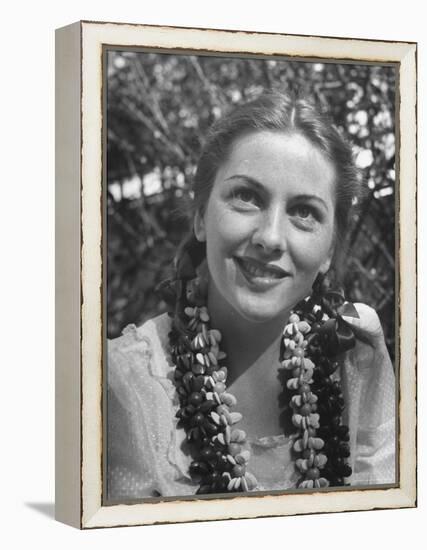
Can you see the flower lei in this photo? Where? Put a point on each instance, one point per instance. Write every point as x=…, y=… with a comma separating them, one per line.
x=313, y=337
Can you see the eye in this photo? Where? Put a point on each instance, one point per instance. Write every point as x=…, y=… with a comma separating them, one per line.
x=303, y=211
x=305, y=216
x=245, y=197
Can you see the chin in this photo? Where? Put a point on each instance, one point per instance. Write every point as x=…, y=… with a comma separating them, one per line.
x=259, y=311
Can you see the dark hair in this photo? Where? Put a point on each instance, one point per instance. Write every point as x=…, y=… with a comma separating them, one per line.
x=278, y=112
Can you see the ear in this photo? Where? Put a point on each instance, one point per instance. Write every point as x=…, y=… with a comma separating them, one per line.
x=199, y=227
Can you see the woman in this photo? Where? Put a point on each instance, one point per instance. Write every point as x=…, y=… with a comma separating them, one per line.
x=261, y=377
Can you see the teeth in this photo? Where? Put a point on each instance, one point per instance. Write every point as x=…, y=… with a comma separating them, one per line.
x=259, y=272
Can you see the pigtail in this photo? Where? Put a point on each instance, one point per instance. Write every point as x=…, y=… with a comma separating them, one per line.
x=185, y=281
x=189, y=256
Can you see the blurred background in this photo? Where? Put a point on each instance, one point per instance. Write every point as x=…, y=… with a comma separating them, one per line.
x=159, y=107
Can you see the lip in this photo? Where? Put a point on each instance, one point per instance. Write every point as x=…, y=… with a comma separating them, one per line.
x=259, y=273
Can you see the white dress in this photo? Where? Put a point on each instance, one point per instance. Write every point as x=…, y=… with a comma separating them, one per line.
x=147, y=455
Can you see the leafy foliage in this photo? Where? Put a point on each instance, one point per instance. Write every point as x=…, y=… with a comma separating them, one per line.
x=159, y=106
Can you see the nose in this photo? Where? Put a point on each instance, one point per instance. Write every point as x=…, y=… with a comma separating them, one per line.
x=270, y=235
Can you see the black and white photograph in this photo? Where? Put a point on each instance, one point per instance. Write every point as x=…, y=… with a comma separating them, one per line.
x=250, y=275
x=213, y=275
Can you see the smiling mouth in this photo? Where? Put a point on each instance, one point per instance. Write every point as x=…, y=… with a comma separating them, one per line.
x=255, y=269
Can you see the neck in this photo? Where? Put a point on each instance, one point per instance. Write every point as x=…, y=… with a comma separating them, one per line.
x=244, y=341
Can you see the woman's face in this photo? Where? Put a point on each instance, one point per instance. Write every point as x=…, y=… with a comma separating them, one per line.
x=268, y=224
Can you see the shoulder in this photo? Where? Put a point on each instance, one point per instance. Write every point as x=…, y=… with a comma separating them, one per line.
x=142, y=403
x=365, y=323
x=139, y=369
x=157, y=327
x=141, y=353
x=142, y=343
x=367, y=371
x=369, y=337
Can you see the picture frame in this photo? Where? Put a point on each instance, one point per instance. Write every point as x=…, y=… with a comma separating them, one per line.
x=81, y=259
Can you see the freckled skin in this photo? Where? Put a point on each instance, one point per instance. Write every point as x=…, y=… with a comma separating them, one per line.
x=273, y=201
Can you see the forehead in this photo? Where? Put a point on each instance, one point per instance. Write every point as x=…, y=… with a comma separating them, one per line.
x=275, y=157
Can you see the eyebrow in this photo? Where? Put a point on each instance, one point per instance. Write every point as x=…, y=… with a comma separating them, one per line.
x=248, y=179
x=315, y=198
x=252, y=181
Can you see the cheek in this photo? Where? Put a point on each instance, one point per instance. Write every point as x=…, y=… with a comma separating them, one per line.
x=311, y=250
x=226, y=230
